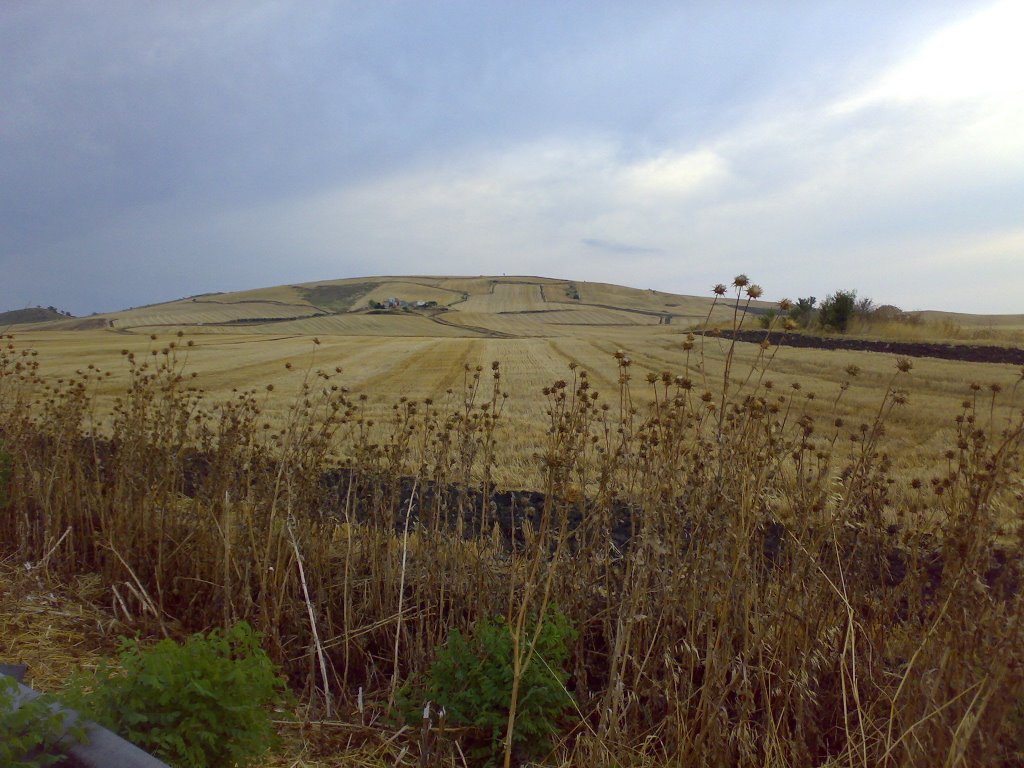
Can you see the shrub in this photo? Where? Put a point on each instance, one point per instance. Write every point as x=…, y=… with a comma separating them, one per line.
x=472, y=679
x=802, y=312
x=865, y=306
x=767, y=320
x=29, y=733
x=199, y=704
x=837, y=310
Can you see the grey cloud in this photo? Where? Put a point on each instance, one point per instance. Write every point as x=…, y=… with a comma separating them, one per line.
x=614, y=247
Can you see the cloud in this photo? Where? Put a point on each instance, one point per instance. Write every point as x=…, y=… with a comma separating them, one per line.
x=976, y=59
x=613, y=247
x=806, y=203
x=517, y=205
x=675, y=173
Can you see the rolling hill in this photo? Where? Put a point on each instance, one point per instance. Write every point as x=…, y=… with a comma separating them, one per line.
x=496, y=307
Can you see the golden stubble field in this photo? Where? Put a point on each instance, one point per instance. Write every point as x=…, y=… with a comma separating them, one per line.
x=388, y=367
x=535, y=328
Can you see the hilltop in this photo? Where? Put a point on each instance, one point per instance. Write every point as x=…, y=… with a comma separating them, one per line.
x=30, y=315
x=496, y=307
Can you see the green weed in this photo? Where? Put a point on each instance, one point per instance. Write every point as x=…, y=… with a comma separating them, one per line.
x=471, y=679
x=200, y=704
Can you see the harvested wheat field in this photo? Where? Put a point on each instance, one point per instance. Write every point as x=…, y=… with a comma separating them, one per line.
x=529, y=326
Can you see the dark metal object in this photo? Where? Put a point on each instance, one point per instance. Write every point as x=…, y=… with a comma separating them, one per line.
x=103, y=749
x=17, y=671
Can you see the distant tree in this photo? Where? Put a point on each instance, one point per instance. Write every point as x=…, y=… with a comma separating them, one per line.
x=837, y=310
x=802, y=312
x=865, y=307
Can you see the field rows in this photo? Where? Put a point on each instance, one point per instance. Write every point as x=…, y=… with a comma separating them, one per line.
x=201, y=312
x=388, y=367
x=392, y=324
x=554, y=323
x=505, y=297
x=282, y=294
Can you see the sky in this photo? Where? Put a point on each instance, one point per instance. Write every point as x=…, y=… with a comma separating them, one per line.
x=150, y=151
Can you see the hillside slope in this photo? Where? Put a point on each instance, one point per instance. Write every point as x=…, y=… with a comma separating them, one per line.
x=29, y=315
x=505, y=307
x=496, y=307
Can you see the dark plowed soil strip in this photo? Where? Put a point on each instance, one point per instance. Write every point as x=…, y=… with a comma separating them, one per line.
x=973, y=353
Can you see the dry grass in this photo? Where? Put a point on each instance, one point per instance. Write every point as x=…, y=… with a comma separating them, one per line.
x=52, y=628
x=973, y=322
x=282, y=294
x=398, y=324
x=809, y=581
x=651, y=300
x=944, y=327
x=203, y=312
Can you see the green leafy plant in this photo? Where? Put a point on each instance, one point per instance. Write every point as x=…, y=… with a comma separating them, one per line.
x=472, y=679
x=199, y=704
x=30, y=732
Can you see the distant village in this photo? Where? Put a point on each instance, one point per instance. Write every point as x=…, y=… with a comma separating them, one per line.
x=395, y=303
